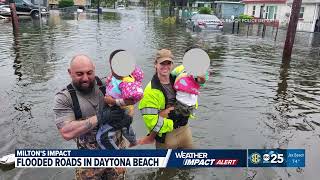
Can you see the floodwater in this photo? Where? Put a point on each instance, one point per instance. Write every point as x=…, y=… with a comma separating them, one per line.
x=250, y=101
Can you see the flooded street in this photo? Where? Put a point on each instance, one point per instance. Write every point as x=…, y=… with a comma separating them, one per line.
x=250, y=101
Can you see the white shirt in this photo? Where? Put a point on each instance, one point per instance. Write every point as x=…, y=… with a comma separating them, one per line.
x=186, y=98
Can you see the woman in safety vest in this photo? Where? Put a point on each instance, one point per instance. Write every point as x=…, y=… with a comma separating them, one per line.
x=171, y=130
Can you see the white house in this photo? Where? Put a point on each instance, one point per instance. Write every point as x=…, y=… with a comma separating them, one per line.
x=268, y=9
x=228, y=9
x=280, y=10
x=309, y=13
x=134, y=2
x=197, y=4
x=79, y=3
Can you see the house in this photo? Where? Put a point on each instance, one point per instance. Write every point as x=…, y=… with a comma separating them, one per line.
x=53, y=4
x=281, y=9
x=134, y=2
x=309, y=13
x=79, y=3
x=268, y=9
x=228, y=9
x=203, y=3
x=82, y=3
x=275, y=10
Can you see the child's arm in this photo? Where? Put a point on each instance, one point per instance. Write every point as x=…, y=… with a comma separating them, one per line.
x=110, y=100
x=201, y=79
x=149, y=139
x=164, y=113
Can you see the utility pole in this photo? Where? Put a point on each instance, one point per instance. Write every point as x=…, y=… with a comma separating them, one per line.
x=291, y=32
x=14, y=17
x=40, y=14
x=98, y=10
x=170, y=7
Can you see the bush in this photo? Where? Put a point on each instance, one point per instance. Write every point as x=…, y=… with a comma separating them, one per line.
x=244, y=16
x=205, y=10
x=65, y=3
x=169, y=20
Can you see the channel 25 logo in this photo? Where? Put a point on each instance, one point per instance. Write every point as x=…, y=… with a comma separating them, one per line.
x=271, y=157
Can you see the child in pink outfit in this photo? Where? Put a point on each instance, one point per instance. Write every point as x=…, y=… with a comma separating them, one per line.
x=187, y=89
x=129, y=87
x=121, y=88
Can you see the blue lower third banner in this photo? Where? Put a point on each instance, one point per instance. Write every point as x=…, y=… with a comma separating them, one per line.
x=37, y=158
x=276, y=158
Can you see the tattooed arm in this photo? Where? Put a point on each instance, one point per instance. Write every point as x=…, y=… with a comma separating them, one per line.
x=66, y=123
x=70, y=129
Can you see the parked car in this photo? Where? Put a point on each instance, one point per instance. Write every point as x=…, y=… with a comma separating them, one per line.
x=5, y=10
x=121, y=7
x=26, y=8
x=199, y=22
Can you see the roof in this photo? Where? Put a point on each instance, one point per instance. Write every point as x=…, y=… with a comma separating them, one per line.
x=227, y=2
x=265, y=1
x=203, y=1
x=306, y=1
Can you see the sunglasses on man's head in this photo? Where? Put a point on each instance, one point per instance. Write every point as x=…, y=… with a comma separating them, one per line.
x=166, y=63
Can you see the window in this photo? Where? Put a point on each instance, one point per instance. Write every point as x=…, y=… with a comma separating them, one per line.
x=271, y=12
x=253, y=10
x=301, y=13
x=267, y=12
x=21, y=2
x=275, y=12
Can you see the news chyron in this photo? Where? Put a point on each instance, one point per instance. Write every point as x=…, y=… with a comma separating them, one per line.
x=207, y=158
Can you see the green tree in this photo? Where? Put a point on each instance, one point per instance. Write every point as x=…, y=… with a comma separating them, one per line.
x=205, y=10
x=65, y=3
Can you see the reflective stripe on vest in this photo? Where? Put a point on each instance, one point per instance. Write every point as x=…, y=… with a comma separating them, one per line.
x=149, y=111
x=159, y=124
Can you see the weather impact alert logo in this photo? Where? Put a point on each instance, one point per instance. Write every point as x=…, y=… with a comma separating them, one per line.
x=202, y=159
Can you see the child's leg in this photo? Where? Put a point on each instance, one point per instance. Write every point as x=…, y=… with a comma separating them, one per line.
x=130, y=135
x=106, y=136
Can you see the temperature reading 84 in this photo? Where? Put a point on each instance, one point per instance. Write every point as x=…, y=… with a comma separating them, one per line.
x=295, y=161
x=276, y=158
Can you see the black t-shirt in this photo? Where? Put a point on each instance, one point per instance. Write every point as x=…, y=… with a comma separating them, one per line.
x=170, y=93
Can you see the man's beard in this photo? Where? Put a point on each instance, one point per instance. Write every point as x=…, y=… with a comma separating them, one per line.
x=84, y=89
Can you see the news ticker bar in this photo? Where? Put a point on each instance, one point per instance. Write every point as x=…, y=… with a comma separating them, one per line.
x=39, y=158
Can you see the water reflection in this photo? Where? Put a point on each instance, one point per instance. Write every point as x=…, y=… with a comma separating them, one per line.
x=17, y=65
x=316, y=40
x=271, y=34
x=112, y=16
x=164, y=174
x=167, y=38
x=283, y=85
x=34, y=67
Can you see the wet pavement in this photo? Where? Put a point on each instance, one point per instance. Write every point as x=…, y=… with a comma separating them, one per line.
x=250, y=101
